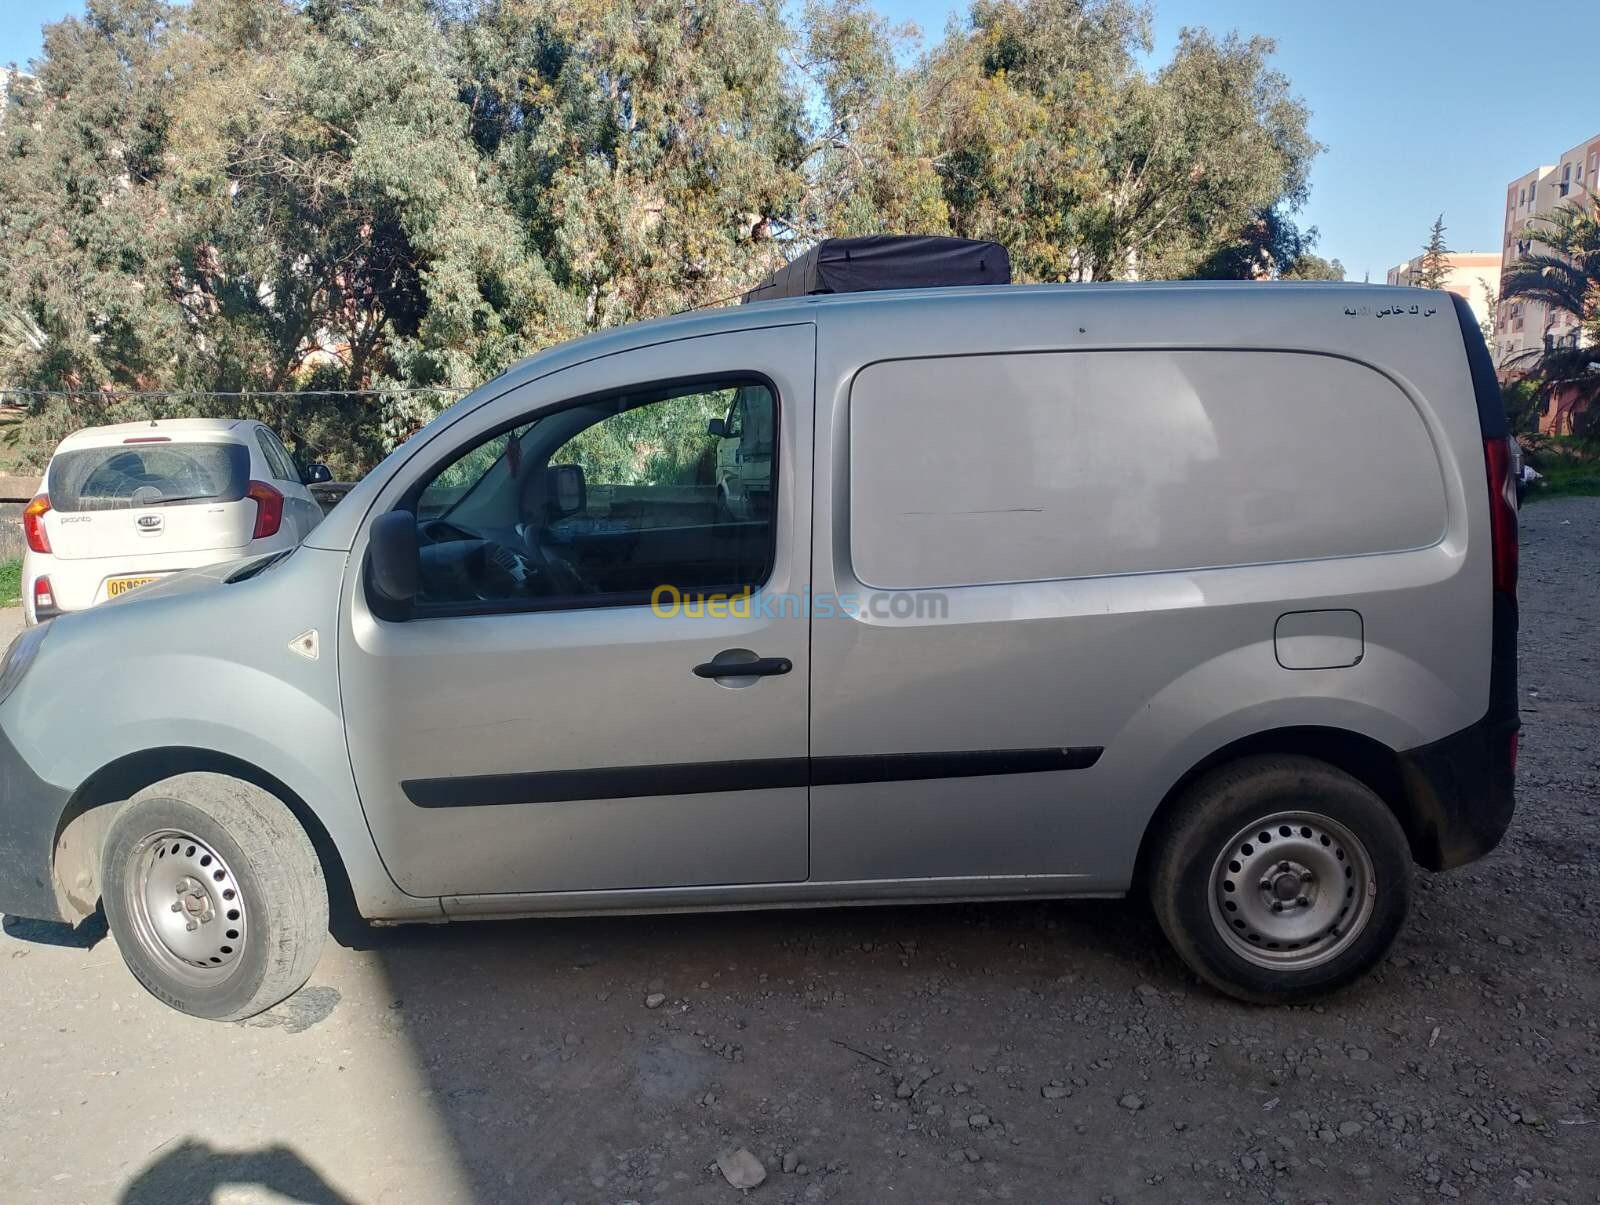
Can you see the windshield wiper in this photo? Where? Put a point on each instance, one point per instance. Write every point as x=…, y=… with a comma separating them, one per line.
x=256, y=567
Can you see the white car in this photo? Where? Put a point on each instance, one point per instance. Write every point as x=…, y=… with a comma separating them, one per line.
x=124, y=505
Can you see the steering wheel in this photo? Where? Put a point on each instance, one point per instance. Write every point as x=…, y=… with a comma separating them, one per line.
x=489, y=571
x=571, y=579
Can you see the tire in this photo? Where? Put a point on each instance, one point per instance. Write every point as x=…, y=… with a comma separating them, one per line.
x=1214, y=882
x=214, y=894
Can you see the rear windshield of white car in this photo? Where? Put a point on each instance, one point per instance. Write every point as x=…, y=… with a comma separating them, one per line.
x=148, y=474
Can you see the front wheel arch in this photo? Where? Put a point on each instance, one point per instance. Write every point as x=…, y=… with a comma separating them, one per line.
x=75, y=853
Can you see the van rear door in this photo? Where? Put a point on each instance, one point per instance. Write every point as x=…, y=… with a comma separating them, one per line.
x=149, y=495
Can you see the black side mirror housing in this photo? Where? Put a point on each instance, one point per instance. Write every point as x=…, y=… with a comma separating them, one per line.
x=566, y=491
x=717, y=427
x=316, y=474
x=392, y=559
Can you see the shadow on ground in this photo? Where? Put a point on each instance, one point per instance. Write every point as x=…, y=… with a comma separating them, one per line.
x=193, y=1172
x=608, y=1059
x=85, y=935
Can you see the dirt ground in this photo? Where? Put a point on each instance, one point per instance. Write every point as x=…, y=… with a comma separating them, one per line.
x=10, y=624
x=1019, y=1052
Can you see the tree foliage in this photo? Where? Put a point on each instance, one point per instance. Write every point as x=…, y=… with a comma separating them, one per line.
x=1434, y=271
x=1269, y=246
x=1562, y=270
x=377, y=195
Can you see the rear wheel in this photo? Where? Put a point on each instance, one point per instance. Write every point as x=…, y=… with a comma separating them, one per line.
x=1281, y=878
x=214, y=894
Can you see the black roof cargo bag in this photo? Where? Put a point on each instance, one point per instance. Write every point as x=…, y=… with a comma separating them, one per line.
x=887, y=261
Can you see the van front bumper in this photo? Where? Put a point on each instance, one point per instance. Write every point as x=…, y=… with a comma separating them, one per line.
x=30, y=810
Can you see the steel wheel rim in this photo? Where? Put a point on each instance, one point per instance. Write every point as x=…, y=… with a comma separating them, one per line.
x=1292, y=890
x=188, y=911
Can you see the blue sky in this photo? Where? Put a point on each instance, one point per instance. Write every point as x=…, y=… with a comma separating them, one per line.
x=1425, y=106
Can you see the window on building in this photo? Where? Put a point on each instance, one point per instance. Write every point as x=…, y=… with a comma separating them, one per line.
x=1566, y=178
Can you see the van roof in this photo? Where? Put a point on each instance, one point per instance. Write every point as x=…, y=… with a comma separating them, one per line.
x=804, y=309
x=198, y=429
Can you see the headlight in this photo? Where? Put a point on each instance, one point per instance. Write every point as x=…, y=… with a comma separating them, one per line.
x=19, y=657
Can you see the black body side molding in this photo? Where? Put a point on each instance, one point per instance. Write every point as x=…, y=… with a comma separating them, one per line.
x=696, y=778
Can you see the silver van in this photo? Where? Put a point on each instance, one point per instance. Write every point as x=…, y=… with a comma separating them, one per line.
x=1205, y=591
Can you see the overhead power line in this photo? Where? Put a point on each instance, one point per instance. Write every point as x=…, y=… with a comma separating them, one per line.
x=121, y=394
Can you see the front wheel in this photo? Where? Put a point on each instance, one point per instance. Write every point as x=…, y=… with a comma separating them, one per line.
x=214, y=894
x=1278, y=879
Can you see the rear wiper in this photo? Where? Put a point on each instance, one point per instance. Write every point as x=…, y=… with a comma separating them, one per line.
x=179, y=498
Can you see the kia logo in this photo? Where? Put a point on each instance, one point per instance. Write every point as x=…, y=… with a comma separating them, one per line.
x=150, y=522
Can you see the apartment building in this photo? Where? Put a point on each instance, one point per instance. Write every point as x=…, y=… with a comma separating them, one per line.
x=1474, y=276
x=1525, y=327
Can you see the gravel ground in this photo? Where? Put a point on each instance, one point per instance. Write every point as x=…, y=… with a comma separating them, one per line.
x=946, y=1054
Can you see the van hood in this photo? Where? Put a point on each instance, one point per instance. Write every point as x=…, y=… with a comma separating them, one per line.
x=187, y=581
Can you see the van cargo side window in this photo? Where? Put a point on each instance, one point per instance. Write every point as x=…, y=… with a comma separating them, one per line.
x=1052, y=465
x=602, y=502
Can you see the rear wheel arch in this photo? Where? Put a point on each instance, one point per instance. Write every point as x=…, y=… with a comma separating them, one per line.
x=81, y=829
x=1370, y=762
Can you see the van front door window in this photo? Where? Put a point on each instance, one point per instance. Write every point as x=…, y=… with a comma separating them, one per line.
x=598, y=503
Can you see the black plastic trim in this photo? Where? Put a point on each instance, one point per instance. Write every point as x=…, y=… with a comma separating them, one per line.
x=621, y=782
x=911, y=767
x=1485, y=385
x=761, y=667
x=696, y=778
x=29, y=811
x=1462, y=794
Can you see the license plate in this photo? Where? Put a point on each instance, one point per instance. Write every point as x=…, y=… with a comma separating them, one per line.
x=121, y=585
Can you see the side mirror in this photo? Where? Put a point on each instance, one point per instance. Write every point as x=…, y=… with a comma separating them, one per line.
x=566, y=492
x=717, y=427
x=392, y=556
x=316, y=474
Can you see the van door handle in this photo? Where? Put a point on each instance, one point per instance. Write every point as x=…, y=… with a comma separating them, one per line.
x=723, y=666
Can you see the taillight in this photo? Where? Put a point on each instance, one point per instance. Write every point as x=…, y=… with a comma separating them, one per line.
x=33, y=523
x=1502, y=513
x=44, y=598
x=269, y=509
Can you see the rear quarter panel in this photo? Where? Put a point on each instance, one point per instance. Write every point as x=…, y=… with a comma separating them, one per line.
x=1160, y=668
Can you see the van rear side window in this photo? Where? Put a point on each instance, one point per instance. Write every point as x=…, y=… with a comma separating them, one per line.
x=987, y=469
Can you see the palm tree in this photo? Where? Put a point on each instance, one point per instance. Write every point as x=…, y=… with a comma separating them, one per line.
x=1562, y=270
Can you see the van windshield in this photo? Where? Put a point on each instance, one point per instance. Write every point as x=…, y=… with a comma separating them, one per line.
x=154, y=474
